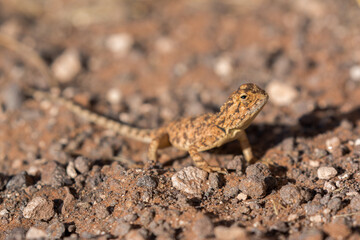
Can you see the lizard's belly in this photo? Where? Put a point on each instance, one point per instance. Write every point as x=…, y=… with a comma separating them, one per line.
x=233, y=135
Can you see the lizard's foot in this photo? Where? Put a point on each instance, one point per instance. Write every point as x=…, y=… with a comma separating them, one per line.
x=210, y=169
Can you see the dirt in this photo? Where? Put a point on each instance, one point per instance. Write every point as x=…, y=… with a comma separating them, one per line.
x=149, y=62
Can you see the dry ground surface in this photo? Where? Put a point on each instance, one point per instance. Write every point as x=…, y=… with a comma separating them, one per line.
x=149, y=62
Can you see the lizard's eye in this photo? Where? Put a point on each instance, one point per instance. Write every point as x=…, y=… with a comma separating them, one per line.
x=244, y=96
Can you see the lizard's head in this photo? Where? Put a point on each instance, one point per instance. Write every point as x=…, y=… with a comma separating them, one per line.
x=242, y=107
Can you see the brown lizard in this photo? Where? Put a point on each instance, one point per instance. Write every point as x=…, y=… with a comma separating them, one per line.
x=192, y=134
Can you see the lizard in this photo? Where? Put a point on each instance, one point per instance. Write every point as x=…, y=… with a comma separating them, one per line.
x=192, y=134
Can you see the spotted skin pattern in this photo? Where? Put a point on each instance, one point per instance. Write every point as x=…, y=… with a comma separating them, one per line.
x=192, y=134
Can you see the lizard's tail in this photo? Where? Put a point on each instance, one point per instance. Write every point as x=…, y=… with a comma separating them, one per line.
x=143, y=135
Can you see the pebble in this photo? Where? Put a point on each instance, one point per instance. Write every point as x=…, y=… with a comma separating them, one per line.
x=12, y=97
x=312, y=208
x=164, y=45
x=326, y=173
x=223, y=67
x=258, y=169
x=203, y=227
x=120, y=229
x=355, y=203
x=136, y=234
x=39, y=208
x=311, y=234
x=82, y=164
x=55, y=230
x=332, y=144
x=241, y=197
x=354, y=73
x=236, y=164
x=36, y=233
x=53, y=174
x=101, y=211
x=281, y=94
x=291, y=195
x=119, y=43
x=189, y=180
x=231, y=188
x=329, y=186
x=334, y=204
x=147, y=182
x=337, y=230
x=230, y=233
x=114, y=96
x=214, y=181
x=320, y=153
x=19, y=181
x=253, y=186
x=70, y=170
x=67, y=65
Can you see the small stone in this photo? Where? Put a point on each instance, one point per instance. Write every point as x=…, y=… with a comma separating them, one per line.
x=281, y=94
x=258, y=170
x=67, y=65
x=316, y=218
x=53, y=174
x=326, y=173
x=19, y=181
x=164, y=45
x=147, y=217
x=223, y=67
x=55, y=230
x=82, y=164
x=337, y=230
x=320, y=153
x=119, y=43
x=253, y=186
x=203, y=227
x=189, y=180
x=4, y=213
x=314, y=164
x=231, y=188
x=39, y=208
x=334, y=204
x=242, y=197
x=35, y=233
x=236, y=164
x=114, y=96
x=329, y=186
x=70, y=170
x=292, y=217
x=120, y=229
x=12, y=97
x=16, y=234
x=147, y=182
x=312, y=208
x=311, y=234
x=291, y=195
x=214, y=181
x=101, y=211
x=136, y=234
x=357, y=142
x=332, y=144
x=355, y=203
x=230, y=233
x=354, y=73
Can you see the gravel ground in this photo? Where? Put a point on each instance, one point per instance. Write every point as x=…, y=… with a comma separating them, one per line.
x=149, y=62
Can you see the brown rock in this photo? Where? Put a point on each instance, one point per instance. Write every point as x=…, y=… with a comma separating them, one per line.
x=39, y=208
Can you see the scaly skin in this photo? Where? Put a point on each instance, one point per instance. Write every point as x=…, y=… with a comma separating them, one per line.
x=193, y=134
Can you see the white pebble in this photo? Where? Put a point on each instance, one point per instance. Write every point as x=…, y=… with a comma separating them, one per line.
x=355, y=73
x=357, y=142
x=292, y=217
x=326, y=173
x=70, y=170
x=189, y=180
x=36, y=233
x=329, y=186
x=281, y=94
x=114, y=96
x=164, y=45
x=316, y=218
x=119, y=43
x=242, y=197
x=314, y=163
x=332, y=143
x=223, y=67
x=67, y=65
x=229, y=233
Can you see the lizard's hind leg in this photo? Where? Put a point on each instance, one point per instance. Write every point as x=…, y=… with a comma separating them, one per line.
x=201, y=163
x=159, y=142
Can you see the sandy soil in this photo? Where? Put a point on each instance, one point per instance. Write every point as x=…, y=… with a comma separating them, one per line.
x=149, y=62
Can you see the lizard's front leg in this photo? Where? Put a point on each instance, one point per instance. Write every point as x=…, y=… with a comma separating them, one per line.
x=201, y=163
x=159, y=142
x=245, y=146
